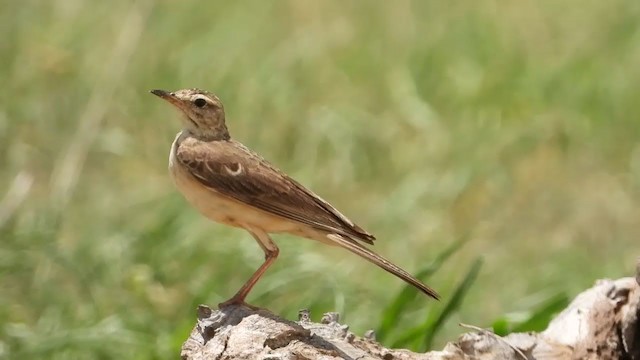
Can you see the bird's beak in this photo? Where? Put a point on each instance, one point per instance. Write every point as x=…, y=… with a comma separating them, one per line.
x=170, y=97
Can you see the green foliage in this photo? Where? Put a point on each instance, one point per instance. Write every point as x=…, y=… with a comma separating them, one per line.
x=421, y=337
x=535, y=318
x=406, y=298
x=511, y=123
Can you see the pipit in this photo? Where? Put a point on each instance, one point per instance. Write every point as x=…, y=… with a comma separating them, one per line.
x=232, y=185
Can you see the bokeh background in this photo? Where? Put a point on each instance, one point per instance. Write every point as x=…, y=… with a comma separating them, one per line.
x=512, y=125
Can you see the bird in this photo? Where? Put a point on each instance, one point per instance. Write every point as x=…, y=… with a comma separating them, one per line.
x=231, y=184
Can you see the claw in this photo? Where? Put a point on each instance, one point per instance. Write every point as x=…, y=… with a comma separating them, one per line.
x=238, y=302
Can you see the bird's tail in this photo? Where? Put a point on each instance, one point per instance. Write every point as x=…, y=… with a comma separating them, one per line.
x=385, y=264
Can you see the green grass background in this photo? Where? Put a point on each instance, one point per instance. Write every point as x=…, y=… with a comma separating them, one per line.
x=514, y=124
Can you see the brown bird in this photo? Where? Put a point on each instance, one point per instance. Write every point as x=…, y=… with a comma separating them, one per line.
x=230, y=184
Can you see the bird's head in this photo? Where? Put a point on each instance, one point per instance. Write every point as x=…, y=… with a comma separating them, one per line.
x=203, y=112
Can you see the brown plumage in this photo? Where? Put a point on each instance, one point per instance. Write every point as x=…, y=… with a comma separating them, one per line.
x=230, y=184
x=259, y=184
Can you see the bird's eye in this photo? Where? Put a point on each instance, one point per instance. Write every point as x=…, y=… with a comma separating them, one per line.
x=200, y=102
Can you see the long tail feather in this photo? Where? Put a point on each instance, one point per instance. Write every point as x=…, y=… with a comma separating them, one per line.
x=385, y=264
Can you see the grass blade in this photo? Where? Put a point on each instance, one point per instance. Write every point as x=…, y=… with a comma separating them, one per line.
x=536, y=319
x=541, y=317
x=392, y=313
x=454, y=303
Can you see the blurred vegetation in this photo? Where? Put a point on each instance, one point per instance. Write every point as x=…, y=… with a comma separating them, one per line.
x=514, y=124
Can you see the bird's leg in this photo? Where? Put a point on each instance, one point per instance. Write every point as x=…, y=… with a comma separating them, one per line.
x=271, y=252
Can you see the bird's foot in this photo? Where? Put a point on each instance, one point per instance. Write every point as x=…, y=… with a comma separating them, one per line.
x=238, y=302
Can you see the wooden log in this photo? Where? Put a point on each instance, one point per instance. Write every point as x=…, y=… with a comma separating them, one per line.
x=600, y=323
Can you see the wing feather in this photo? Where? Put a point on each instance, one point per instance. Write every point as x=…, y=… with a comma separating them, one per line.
x=231, y=169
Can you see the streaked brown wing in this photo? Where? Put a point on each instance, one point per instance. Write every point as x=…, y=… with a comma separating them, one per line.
x=233, y=170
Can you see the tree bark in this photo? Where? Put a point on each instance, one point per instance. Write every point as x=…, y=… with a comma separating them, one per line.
x=600, y=323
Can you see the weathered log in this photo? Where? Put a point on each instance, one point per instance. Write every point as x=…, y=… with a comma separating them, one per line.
x=600, y=323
